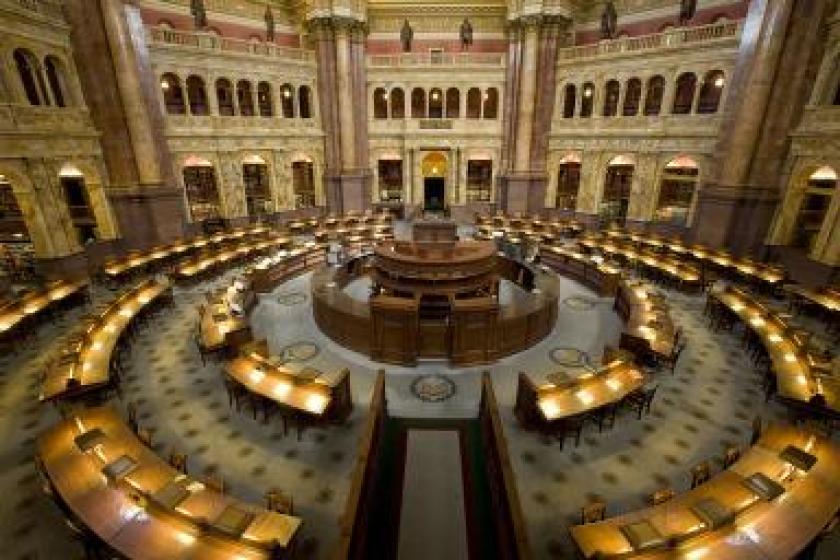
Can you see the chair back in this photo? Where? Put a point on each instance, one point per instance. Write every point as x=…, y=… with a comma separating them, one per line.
x=731, y=456
x=178, y=462
x=661, y=496
x=594, y=512
x=145, y=436
x=215, y=482
x=700, y=474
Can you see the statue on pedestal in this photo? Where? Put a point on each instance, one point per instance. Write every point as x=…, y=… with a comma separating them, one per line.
x=687, y=10
x=466, y=34
x=609, y=21
x=406, y=35
x=199, y=13
x=269, y=24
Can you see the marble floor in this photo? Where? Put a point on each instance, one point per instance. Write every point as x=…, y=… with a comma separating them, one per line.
x=708, y=404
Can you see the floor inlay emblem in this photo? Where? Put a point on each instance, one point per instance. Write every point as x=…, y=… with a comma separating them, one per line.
x=580, y=303
x=300, y=351
x=568, y=357
x=433, y=387
x=291, y=298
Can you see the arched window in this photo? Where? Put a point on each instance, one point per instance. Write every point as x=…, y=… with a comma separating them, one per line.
x=245, y=98
x=587, y=100
x=197, y=95
x=711, y=92
x=303, y=184
x=173, y=94
x=655, y=92
x=397, y=103
x=29, y=72
x=617, y=183
x=821, y=187
x=418, y=103
x=287, y=101
x=569, y=99
x=684, y=96
x=224, y=96
x=435, y=104
x=474, y=103
x=77, y=198
x=380, y=103
x=201, y=189
x=55, y=77
x=676, y=191
x=632, y=97
x=453, y=103
x=491, y=103
x=611, y=93
x=304, y=103
x=13, y=223
x=568, y=183
x=264, y=99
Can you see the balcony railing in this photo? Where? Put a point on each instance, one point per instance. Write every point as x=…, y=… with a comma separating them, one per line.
x=673, y=38
x=211, y=42
x=436, y=59
x=49, y=8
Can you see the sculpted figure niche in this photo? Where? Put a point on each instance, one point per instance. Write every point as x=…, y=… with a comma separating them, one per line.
x=269, y=24
x=199, y=13
x=406, y=35
x=466, y=34
x=609, y=21
x=687, y=10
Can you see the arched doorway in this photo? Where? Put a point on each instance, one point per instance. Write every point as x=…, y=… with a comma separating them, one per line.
x=568, y=182
x=79, y=207
x=616, y=199
x=201, y=189
x=814, y=208
x=257, y=191
x=303, y=183
x=433, y=169
x=676, y=191
x=16, y=250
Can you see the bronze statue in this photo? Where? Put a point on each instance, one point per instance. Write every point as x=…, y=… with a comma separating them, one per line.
x=466, y=34
x=406, y=35
x=687, y=10
x=199, y=13
x=269, y=24
x=609, y=21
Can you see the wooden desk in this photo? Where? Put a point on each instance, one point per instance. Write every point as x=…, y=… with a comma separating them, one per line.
x=226, y=256
x=88, y=366
x=797, y=379
x=134, y=515
x=224, y=320
x=758, y=528
x=317, y=398
x=589, y=270
x=14, y=314
x=590, y=391
x=645, y=316
x=270, y=272
x=826, y=298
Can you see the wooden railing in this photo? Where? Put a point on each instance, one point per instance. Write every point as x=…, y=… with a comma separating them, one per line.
x=211, y=42
x=511, y=534
x=352, y=526
x=436, y=59
x=671, y=38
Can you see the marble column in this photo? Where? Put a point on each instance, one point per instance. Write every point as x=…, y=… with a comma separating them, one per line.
x=345, y=100
x=527, y=87
x=779, y=52
x=131, y=92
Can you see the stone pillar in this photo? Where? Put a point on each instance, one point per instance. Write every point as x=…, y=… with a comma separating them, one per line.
x=345, y=100
x=779, y=53
x=668, y=95
x=622, y=95
x=527, y=85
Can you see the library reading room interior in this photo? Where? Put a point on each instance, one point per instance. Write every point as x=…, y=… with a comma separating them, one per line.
x=420, y=280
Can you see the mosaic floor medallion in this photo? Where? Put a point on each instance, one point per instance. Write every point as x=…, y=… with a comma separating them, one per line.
x=432, y=387
x=291, y=298
x=568, y=357
x=579, y=303
x=299, y=351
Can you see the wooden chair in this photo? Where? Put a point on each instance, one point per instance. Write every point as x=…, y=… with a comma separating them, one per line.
x=131, y=408
x=670, y=362
x=178, y=461
x=604, y=416
x=594, y=512
x=700, y=474
x=275, y=500
x=568, y=427
x=731, y=456
x=145, y=436
x=756, y=430
x=215, y=482
x=641, y=400
x=660, y=496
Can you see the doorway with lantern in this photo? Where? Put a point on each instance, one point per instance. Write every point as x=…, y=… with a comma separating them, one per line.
x=434, y=167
